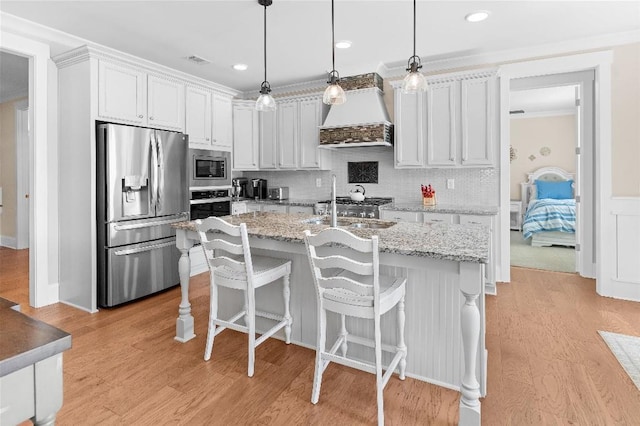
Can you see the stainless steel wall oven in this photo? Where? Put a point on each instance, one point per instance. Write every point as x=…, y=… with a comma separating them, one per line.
x=210, y=203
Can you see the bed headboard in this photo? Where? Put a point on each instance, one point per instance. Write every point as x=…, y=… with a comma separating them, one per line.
x=528, y=188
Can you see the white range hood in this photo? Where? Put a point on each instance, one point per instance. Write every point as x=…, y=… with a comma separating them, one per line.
x=362, y=120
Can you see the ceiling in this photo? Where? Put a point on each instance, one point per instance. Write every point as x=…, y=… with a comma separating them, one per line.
x=544, y=100
x=299, y=32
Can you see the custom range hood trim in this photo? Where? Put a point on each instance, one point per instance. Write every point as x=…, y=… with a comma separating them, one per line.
x=361, y=122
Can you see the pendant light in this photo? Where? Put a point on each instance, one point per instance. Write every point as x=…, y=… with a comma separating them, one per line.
x=265, y=101
x=414, y=82
x=333, y=95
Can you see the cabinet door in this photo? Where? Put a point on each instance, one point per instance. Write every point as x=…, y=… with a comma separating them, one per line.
x=311, y=156
x=477, y=121
x=401, y=216
x=439, y=218
x=253, y=207
x=222, y=113
x=409, y=130
x=245, y=137
x=238, y=207
x=165, y=103
x=288, y=135
x=441, y=124
x=121, y=93
x=268, y=140
x=198, y=116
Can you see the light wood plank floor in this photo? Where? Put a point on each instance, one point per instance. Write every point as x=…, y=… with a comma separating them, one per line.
x=547, y=364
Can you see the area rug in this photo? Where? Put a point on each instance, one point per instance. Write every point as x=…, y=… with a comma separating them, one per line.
x=554, y=258
x=627, y=351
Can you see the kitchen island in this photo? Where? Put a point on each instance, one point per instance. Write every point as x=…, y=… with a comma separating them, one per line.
x=444, y=267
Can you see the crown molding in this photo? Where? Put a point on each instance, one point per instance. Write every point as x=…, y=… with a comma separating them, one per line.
x=460, y=75
x=520, y=54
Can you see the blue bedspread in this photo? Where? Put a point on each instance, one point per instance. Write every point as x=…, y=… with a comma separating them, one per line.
x=549, y=215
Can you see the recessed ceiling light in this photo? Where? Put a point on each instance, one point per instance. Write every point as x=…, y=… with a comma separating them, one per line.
x=343, y=44
x=477, y=16
x=240, y=67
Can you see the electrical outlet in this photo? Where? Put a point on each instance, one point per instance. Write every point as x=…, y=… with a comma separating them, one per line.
x=318, y=182
x=450, y=183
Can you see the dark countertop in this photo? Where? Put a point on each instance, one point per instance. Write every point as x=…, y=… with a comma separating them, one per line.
x=462, y=243
x=25, y=340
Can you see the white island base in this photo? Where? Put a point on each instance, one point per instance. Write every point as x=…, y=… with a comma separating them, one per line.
x=445, y=325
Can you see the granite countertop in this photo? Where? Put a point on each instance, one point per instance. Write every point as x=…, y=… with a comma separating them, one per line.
x=25, y=340
x=462, y=243
x=442, y=208
x=289, y=202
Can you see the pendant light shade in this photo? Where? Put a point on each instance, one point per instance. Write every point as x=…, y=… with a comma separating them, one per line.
x=414, y=82
x=265, y=101
x=334, y=94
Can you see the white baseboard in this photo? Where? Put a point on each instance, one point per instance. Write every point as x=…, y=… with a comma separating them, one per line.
x=47, y=295
x=622, y=290
x=10, y=242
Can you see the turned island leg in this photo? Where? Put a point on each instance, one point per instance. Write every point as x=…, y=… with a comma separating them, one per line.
x=471, y=283
x=184, y=323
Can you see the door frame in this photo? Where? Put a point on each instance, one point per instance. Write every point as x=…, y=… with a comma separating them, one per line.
x=23, y=172
x=42, y=291
x=600, y=62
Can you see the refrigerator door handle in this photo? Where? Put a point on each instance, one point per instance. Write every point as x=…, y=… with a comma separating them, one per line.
x=160, y=174
x=127, y=227
x=151, y=247
x=154, y=172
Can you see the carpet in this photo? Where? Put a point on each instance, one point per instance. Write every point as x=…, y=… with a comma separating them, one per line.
x=554, y=258
x=627, y=351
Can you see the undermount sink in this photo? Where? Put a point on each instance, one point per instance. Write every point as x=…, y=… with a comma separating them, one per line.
x=351, y=224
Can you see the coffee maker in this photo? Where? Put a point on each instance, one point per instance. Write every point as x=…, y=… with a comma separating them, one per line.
x=259, y=189
x=240, y=188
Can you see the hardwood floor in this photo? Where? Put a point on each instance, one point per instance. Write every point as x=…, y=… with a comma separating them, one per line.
x=547, y=364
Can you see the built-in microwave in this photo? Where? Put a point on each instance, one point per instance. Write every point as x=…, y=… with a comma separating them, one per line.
x=209, y=168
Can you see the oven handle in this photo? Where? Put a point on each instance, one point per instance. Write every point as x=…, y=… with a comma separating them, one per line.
x=127, y=227
x=143, y=249
x=209, y=200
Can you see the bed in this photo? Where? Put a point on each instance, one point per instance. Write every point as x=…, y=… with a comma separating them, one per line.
x=550, y=220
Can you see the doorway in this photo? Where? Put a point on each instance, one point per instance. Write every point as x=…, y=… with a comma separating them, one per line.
x=545, y=139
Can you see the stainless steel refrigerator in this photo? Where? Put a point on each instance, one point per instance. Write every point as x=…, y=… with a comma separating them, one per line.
x=141, y=190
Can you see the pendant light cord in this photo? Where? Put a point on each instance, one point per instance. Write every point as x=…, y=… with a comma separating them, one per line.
x=333, y=44
x=265, y=42
x=414, y=27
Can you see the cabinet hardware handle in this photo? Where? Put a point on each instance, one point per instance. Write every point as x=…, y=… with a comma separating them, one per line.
x=207, y=139
x=150, y=118
x=140, y=116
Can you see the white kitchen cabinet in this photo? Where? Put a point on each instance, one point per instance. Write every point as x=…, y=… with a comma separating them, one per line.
x=268, y=140
x=453, y=125
x=245, y=136
x=409, y=130
x=301, y=209
x=253, y=207
x=222, y=133
x=130, y=95
x=401, y=216
x=198, y=116
x=440, y=218
x=288, y=137
x=238, y=207
x=311, y=156
x=121, y=93
x=165, y=103
x=490, y=269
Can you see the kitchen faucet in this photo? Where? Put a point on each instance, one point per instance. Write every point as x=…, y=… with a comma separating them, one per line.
x=334, y=207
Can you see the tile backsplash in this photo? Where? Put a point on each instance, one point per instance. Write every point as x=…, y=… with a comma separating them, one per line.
x=472, y=186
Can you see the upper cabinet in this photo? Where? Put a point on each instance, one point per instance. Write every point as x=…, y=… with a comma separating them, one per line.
x=453, y=124
x=289, y=138
x=245, y=136
x=132, y=96
x=208, y=119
